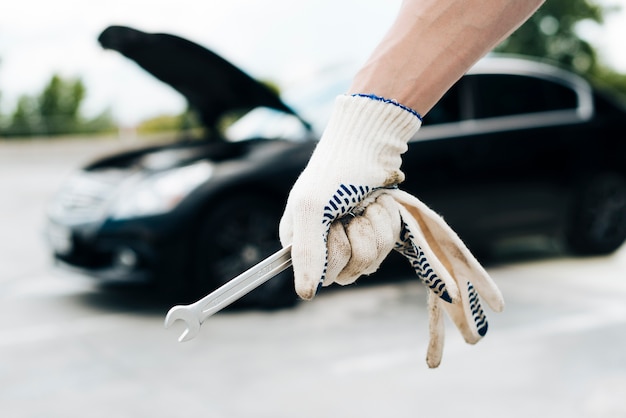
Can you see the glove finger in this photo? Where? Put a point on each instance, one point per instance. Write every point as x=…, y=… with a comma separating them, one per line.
x=466, y=311
x=308, y=239
x=386, y=223
x=425, y=262
x=285, y=228
x=468, y=315
x=359, y=231
x=390, y=228
x=436, y=329
x=339, y=252
x=372, y=236
x=462, y=264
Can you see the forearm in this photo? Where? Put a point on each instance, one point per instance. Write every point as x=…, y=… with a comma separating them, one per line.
x=433, y=43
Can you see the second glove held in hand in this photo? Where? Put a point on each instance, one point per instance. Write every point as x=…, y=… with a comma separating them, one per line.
x=451, y=261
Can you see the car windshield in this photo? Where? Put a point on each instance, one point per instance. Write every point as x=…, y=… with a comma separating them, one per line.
x=311, y=98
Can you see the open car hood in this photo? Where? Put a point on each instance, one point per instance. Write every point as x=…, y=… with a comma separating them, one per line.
x=211, y=85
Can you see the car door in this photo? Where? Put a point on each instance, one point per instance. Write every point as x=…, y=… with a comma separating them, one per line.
x=523, y=125
x=499, y=170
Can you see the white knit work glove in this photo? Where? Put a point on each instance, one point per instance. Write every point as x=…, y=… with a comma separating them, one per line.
x=357, y=158
x=345, y=214
x=448, y=256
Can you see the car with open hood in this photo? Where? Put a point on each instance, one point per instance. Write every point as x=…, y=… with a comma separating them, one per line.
x=515, y=148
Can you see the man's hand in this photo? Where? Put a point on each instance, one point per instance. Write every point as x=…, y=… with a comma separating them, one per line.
x=358, y=155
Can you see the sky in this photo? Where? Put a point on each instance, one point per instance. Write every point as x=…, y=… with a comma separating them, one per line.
x=279, y=40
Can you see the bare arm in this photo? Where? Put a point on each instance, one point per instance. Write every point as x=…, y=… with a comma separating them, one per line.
x=433, y=43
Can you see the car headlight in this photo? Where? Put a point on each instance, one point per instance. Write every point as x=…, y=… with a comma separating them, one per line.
x=160, y=192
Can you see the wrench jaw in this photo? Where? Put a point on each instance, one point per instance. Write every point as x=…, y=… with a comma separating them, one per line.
x=191, y=321
x=196, y=313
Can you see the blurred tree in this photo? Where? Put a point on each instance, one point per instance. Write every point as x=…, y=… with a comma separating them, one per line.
x=551, y=33
x=161, y=123
x=59, y=104
x=101, y=123
x=56, y=111
x=25, y=119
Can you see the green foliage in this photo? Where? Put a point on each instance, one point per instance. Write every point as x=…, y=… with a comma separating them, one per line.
x=55, y=111
x=25, y=118
x=59, y=104
x=551, y=34
x=186, y=122
x=160, y=124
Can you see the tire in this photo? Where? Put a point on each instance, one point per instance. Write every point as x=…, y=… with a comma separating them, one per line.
x=598, y=224
x=236, y=235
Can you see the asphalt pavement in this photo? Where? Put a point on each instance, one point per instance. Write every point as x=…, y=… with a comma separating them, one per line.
x=71, y=348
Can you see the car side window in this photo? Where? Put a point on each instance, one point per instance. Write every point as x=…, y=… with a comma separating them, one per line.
x=447, y=110
x=498, y=95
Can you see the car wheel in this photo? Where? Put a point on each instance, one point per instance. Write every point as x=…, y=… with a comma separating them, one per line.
x=599, y=216
x=236, y=235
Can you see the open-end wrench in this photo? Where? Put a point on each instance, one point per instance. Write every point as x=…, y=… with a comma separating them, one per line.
x=196, y=313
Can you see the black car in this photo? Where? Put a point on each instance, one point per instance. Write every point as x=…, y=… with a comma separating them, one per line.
x=515, y=148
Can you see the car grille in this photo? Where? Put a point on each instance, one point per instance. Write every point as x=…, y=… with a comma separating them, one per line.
x=85, y=196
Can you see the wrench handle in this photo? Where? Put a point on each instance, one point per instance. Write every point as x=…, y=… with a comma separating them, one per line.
x=243, y=284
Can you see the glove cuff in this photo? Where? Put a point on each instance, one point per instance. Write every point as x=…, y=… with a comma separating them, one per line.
x=390, y=101
x=371, y=130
